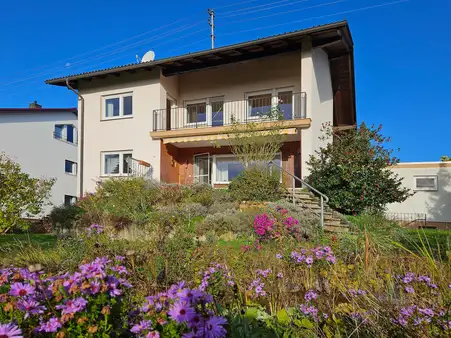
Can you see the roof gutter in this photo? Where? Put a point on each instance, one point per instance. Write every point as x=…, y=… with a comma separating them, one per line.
x=81, y=142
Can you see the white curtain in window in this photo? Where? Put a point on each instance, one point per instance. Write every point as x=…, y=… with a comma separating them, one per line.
x=111, y=164
x=222, y=169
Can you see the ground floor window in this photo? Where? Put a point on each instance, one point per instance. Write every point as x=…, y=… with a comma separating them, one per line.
x=222, y=169
x=116, y=163
x=70, y=200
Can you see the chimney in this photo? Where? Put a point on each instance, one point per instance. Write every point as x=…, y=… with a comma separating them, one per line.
x=34, y=105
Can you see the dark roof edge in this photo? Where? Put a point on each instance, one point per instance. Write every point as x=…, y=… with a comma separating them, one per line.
x=39, y=110
x=336, y=25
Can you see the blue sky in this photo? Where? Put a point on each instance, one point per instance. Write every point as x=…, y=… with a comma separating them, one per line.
x=402, y=51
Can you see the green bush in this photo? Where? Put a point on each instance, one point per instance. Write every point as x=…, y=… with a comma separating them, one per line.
x=436, y=242
x=218, y=207
x=120, y=201
x=256, y=185
x=230, y=221
x=65, y=217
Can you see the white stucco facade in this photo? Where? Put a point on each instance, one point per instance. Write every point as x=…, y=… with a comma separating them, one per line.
x=124, y=134
x=317, y=84
x=435, y=202
x=28, y=138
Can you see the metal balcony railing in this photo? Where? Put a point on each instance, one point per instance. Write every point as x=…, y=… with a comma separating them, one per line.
x=217, y=112
x=138, y=168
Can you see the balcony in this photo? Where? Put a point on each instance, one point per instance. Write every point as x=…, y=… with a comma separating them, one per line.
x=212, y=116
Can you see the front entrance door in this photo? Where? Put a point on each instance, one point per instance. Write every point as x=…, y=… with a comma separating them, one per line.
x=202, y=168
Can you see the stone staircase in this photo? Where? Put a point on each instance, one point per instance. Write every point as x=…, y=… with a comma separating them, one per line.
x=333, y=221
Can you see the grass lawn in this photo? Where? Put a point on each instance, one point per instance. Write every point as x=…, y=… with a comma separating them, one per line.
x=10, y=241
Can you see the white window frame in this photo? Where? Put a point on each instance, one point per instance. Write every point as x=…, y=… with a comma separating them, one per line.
x=213, y=168
x=435, y=188
x=74, y=167
x=73, y=199
x=63, y=135
x=121, y=106
x=207, y=111
x=121, y=162
x=274, y=99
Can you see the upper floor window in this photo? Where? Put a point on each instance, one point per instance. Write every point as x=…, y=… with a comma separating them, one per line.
x=263, y=104
x=70, y=167
x=425, y=183
x=117, y=106
x=65, y=132
x=116, y=163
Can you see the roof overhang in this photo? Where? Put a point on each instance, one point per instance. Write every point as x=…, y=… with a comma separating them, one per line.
x=38, y=110
x=334, y=38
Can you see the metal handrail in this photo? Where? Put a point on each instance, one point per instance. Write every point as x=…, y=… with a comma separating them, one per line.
x=323, y=197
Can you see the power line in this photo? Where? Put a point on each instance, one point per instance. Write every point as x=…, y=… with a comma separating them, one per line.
x=118, y=50
x=264, y=9
x=236, y=4
x=317, y=17
x=292, y=11
x=110, y=45
x=253, y=7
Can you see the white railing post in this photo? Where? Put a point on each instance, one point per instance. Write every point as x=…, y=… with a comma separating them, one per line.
x=322, y=212
x=293, y=191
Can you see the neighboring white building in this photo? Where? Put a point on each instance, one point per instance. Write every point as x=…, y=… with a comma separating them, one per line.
x=431, y=184
x=44, y=142
x=171, y=114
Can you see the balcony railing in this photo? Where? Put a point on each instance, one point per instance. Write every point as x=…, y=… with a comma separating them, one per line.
x=217, y=112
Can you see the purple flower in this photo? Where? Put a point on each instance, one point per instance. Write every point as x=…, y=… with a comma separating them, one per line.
x=409, y=289
x=119, y=258
x=280, y=275
x=310, y=295
x=51, y=326
x=213, y=328
x=141, y=326
x=190, y=296
x=72, y=306
x=432, y=285
x=95, y=287
x=181, y=312
x=279, y=256
x=21, y=290
x=408, y=278
x=30, y=307
x=95, y=228
x=427, y=312
x=309, y=260
x=10, y=331
x=172, y=292
x=425, y=279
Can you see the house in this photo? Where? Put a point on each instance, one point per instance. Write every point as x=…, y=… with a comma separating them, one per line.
x=169, y=116
x=44, y=142
x=430, y=204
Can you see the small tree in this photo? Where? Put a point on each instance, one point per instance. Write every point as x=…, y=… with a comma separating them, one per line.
x=20, y=195
x=354, y=171
x=257, y=141
x=445, y=158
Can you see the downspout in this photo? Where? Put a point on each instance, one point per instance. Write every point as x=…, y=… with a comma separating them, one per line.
x=82, y=135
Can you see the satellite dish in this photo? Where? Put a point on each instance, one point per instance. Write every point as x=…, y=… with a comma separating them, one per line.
x=149, y=56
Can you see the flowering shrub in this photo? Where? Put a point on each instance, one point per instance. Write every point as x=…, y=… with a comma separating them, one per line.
x=86, y=301
x=275, y=226
x=179, y=312
x=311, y=256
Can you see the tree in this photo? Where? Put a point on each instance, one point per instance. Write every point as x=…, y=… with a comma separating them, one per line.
x=20, y=195
x=257, y=142
x=354, y=171
x=445, y=158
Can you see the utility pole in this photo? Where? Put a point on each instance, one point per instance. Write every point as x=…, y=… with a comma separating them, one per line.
x=211, y=22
